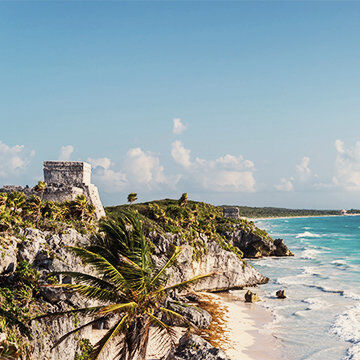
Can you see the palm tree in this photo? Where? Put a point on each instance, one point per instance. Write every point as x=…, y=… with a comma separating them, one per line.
x=79, y=206
x=33, y=208
x=15, y=200
x=183, y=199
x=131, y=198
x=129, y=285
x=40, y=188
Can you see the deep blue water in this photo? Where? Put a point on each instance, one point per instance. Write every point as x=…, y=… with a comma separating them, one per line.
x=320, y=319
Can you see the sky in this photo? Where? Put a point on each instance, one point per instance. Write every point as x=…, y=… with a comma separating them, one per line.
x=247, y=103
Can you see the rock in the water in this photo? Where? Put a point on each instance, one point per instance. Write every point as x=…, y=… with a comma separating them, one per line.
x=193, y=347
x=281, y=294
x=251, y=297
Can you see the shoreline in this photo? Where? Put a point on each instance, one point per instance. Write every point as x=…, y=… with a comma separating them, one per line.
x=298, y=217
x=243, y=329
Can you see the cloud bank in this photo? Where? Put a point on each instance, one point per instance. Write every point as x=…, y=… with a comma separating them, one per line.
x=14, y=159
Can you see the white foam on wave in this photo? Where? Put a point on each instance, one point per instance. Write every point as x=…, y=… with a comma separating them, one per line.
x=347, y=327
x=309, y=254
x=307, y=234
x=315, y=303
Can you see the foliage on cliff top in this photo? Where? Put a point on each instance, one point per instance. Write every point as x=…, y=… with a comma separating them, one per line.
x=189, y=220
x=18, y=211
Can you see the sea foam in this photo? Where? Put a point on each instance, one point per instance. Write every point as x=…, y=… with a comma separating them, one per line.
x=347, y=327
x=307, y=234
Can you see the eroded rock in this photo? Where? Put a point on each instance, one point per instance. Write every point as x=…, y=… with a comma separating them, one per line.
x=251, y=297
x=194, y=347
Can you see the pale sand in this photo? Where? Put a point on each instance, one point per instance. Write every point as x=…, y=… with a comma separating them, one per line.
x=244, y=333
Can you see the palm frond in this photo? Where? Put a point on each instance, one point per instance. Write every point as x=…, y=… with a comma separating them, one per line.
x=84, y=311
x=91, y=292
x=64, y=337
x=182, y=285
x=86, y=278
x=172, y=259
x=101, y=264
x=172, y=315
x=119, y=307
x=100, y=345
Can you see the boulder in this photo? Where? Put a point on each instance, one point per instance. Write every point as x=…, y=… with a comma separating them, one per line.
x=8, y=255
x=194, y=347
x=281, y=294
x=251, y=297
x=255, y=246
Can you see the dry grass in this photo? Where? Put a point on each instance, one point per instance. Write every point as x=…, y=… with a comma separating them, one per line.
x=217, y=333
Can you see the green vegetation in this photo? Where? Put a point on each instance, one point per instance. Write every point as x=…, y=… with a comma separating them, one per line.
x=267, y=212
x=189, y=219
x=85, y=350
x=132, y=197
x=18, y=304
x=17, y=211
x=133, y=290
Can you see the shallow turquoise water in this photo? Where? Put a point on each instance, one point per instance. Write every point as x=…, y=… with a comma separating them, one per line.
x=320, y=319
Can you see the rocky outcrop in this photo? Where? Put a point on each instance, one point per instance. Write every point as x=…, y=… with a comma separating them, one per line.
x=251, y=297
x=229, y=271
x=256, y=246
x=197, y=316
x=280, y=294
x=193, y=347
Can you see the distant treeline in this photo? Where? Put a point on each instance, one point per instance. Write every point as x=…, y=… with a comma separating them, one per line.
x=265, y=212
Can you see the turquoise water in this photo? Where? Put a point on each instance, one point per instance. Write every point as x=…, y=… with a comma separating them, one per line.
x=320, y=319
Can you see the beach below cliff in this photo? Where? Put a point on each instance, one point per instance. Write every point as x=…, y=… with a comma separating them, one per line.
x=241, y=329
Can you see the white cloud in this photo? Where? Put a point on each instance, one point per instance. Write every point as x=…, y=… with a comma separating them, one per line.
x=347, y=166
x=13, y=160
x=303, y=169
x=140, y=169
x=285, y=185
x=226, y=173
x=144, y=167
x=102, y=162
x=178, y=127
x=180, y=154
x=66, y=152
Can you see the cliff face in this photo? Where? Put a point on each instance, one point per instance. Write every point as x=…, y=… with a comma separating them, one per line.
x=230, y=272
x=47, y=252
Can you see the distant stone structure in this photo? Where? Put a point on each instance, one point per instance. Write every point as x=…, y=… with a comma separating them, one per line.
x=343, y=212
x=64, y=181
x=67, y=179
x=231, y=212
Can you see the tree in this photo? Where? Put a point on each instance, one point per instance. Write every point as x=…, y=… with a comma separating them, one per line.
x=131, y=198
x=183, y=199
x=40, y=188
x=79, y=206
x=33, y=208
x=132, y=289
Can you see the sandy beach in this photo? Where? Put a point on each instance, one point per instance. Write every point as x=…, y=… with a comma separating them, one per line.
x=242, y=332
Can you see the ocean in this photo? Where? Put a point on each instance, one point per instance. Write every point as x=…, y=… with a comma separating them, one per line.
x=320, y=319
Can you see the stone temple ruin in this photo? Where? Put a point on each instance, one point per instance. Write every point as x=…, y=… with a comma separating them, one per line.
x=231, y=212
x=64, y=181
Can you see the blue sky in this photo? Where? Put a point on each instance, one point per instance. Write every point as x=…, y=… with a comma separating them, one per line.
x=268, y=93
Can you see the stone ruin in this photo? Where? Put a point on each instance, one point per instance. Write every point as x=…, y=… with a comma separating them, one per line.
x=64, y=181
x=231, y=212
